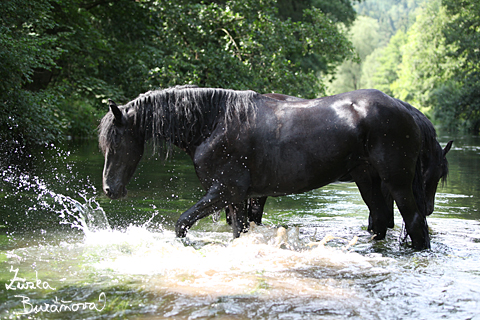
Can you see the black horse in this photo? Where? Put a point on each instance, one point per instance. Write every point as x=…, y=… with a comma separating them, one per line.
x=245, y=145
x=255, y=206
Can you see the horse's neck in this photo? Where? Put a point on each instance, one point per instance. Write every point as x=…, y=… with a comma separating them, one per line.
x=181, y=133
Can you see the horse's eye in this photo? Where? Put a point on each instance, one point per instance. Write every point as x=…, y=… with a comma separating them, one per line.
x=117, y=139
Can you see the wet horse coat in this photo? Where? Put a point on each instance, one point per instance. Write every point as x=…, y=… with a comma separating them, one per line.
x=245, y=145
x=431, y=158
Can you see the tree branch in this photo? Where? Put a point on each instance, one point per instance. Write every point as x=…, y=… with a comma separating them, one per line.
x=231, y=39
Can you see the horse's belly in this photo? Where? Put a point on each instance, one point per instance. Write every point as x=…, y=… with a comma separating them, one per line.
x=297, y=177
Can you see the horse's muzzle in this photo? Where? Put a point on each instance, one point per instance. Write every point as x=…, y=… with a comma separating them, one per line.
x=115, y=194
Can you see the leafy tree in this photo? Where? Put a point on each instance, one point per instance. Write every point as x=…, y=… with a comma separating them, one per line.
x=365, y=38
x=389, y=59
x=392, y=15
x=459, y=98
x=61, y=59
x=377, y=64
x=25, y=47
x=425, y=62
x=431, y=61
x=244, y=45
x=338, y=11
x=435, y=65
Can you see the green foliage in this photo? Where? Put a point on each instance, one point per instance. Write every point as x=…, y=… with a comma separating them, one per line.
x=243, y=45
x=431, y=61
x=365, y=38
x=378, y=23
x=425, y=63
x=435, y=64
x=392, y=15
x=25, y=44
x=336, y=10
x=460, y=95
x=339, y=11
x=26, y=116
x=61, y=59
x=389, y=59
x=382, y=66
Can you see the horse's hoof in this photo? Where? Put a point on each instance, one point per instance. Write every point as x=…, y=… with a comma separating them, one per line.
x=180, y=231
x=421, y=245
x=186, y=242
x=379, y=235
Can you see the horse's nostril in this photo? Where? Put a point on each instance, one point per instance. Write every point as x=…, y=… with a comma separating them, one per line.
x=107, y=191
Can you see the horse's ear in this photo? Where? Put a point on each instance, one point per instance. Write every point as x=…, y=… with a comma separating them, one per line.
x=447, y=147
x=116, y=111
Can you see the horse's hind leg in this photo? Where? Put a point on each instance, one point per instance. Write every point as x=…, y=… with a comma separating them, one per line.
x=389, y=213
x=415, y=223
x=370, y=186
x=228, y=214
x=389, y=201
x=400, y=185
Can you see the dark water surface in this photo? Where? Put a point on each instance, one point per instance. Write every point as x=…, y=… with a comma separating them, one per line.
x=66, y=251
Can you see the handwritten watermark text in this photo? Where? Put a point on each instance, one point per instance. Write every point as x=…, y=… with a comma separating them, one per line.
x=56, y=305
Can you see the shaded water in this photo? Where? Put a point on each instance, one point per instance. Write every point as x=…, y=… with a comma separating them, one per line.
x=66, y=251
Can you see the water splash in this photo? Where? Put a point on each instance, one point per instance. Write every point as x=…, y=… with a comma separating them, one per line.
x=269, y=273
x=266, y=261
x=87, y=216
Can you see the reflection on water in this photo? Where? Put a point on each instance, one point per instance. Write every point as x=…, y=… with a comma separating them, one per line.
x=312, y=260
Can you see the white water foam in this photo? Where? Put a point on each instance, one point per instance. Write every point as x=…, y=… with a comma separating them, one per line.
x=265, y=260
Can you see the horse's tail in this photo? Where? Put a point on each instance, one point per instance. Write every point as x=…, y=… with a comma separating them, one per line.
x=427, y=132
x=418, y=188
x=421, y=199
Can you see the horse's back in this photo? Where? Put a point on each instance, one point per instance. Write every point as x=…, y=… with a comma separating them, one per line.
x=357, y=114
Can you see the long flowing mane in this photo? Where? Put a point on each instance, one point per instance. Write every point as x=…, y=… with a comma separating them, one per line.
x=181, y=115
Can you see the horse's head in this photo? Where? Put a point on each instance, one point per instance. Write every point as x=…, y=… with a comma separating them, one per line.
x=434, y=169
x=122, y=146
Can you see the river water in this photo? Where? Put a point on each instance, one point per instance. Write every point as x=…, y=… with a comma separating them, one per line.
x=66, y=251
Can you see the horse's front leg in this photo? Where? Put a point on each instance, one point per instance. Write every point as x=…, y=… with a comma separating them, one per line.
x=255, y=209
x=227, y=191
x=209, y=203
x=370, y=187
x=238, y=218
